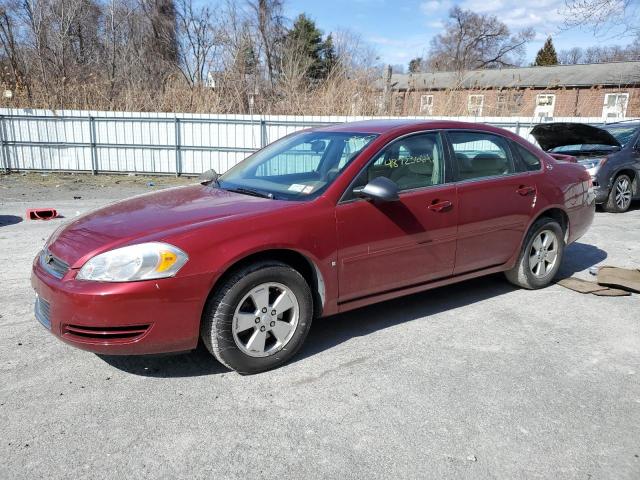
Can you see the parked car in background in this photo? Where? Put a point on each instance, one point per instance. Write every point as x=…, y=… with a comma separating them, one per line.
x=320, y=222
x=611, y=155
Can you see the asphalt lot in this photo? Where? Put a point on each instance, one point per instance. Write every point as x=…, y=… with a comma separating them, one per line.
x=475, y=380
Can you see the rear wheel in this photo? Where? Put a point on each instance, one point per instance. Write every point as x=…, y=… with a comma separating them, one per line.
x=620, y=195
x=258, y=318
x=540, y=257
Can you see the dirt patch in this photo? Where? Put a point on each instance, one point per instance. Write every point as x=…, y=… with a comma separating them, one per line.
x=30, y=187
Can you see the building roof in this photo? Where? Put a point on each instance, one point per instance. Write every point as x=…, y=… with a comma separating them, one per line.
x=617, y=73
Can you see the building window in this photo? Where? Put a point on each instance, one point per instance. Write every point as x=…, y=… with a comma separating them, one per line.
x=545, y=104
x=509, y=103
x=426, y=104
x=474, y=105
x=615, y=105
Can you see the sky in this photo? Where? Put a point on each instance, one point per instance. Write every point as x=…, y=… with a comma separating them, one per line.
x=400, y=30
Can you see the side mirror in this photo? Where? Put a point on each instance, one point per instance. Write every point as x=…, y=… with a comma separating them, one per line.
x=380, y=188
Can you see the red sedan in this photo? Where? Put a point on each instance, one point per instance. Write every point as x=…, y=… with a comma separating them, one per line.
x=320, y=222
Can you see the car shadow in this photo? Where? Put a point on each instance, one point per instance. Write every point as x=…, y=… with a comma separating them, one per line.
x=578, y=257
x=195, y=363
x=9, y=220
x=329, y=332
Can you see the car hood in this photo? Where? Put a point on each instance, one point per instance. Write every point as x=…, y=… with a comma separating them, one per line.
x=553, y=135
x=150, y=217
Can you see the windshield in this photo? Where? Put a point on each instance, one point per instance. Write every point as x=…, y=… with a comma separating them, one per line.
x=622, y=133
x=299, y=166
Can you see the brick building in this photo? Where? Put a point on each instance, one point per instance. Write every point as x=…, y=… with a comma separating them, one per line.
x=608, y=90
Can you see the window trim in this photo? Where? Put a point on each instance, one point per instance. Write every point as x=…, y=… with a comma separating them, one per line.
x=510, y=158
x=448, y=180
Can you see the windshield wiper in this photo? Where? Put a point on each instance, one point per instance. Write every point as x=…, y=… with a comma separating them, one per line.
x=249, y=191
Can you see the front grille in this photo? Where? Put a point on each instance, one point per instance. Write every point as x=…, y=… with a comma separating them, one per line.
x=42, y=312
x=106, y=334
x=52, y=264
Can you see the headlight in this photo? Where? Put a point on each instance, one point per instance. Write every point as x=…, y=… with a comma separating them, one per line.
x=144, y=261
x=592, y=163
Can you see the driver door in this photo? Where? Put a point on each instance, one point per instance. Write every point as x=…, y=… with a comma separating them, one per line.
x=392, y=245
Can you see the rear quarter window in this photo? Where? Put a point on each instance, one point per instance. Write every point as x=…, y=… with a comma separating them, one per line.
x=528, y=161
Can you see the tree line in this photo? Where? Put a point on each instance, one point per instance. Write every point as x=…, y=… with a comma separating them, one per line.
x=169, y=55
x=475, y=41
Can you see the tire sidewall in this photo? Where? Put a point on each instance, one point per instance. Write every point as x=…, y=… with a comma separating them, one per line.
x=221, y=316
x=533, y=280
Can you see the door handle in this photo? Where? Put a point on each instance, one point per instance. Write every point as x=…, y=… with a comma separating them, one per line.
x=525, y=190
x=440, y=206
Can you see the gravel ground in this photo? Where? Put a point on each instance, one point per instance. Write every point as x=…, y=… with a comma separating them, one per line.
x=475, y=380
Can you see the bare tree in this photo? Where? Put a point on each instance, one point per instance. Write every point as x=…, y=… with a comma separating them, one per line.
x=197, y=41
x=269, y=22
x=602, y=54
x=473, y=40
x=601, y=15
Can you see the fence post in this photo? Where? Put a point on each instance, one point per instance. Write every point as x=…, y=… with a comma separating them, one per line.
x=92, y=141
x=518, y=127
x=263, y=133
x=178, y=149
x=3, y=137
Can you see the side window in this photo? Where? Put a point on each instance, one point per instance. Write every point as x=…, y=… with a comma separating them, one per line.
x=352, y=147
x=411, y=162
x=530, y=162
x=480, y=155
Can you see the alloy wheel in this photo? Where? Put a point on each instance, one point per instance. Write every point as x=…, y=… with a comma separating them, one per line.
x=623, y=193
x=544, y=253
x=265, y=319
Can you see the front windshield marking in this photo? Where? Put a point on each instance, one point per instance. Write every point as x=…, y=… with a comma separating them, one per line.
x=298, y=166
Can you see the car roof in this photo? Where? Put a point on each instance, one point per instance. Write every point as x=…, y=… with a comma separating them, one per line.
x=380, y=126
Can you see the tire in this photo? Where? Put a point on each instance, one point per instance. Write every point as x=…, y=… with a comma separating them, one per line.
x=523, y=274
x=620, y=195
x=236, y=339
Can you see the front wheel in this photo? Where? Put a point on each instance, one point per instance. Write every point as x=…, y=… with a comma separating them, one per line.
x=619, y=198
x=258, y=318
x=540, y=257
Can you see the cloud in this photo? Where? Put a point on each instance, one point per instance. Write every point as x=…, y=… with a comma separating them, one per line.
x=537, y=14
x=433, y=6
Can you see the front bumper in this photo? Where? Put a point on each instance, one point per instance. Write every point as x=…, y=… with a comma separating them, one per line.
x=601, y=193
x=152, y=316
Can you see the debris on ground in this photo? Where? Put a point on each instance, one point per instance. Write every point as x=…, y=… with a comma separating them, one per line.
x=611, y=282
x=41, y=213
x=612, y=292
x=624, y=278
x=581, y=286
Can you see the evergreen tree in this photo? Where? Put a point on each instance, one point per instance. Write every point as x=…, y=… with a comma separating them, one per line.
x=329, y=58
x=547, y=54
x=415, y=65
x=306, y=39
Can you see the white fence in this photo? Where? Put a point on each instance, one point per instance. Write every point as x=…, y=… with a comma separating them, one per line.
x=162, y=143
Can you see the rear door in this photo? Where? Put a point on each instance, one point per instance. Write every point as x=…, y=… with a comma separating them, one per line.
x=495, y=199
x=387, y=246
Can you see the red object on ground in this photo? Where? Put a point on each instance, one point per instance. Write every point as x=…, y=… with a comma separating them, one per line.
x=41, y=213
